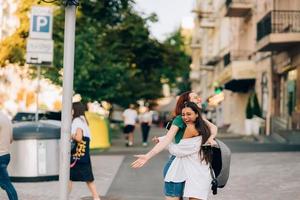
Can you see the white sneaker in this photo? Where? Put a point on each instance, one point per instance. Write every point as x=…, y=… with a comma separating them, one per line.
x=145, y=144
x=130, y=144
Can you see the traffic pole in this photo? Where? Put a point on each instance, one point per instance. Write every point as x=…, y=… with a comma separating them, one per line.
x=68, y=70
x=37, y=93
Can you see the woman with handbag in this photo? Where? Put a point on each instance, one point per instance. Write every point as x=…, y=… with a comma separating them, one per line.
x=81, y=169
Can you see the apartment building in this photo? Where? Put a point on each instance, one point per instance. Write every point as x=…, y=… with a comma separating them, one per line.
x=278, y=35
x=252, y=53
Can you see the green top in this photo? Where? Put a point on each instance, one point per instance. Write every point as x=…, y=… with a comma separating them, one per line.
x=178, y=121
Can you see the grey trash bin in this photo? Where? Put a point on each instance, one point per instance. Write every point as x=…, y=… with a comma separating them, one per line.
x=34, y=152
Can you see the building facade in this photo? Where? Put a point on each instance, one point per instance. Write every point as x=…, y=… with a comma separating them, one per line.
x=249, y=64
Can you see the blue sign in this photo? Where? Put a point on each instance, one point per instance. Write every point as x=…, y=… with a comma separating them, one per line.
x=41, y=24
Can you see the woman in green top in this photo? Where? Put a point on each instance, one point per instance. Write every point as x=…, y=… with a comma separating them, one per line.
x=174, y=191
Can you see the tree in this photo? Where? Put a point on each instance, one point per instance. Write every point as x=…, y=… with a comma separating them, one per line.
x=115, y=57
x=13, y=48
x=177, y=69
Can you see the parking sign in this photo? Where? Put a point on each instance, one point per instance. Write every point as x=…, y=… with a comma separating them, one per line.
x=39, y=51
x=41, y=22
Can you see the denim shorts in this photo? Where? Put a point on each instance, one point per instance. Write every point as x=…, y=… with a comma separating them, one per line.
x=172, y=189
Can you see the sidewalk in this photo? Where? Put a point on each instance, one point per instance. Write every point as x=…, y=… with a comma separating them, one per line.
x=105, y=165
x=105, y=169
x=287, y=137
x=250, y=176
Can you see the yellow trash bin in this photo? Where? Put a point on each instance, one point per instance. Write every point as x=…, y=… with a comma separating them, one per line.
x=99, y=131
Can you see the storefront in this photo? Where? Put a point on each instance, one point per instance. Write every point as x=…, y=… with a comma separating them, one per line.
x=237, y=79
x=286, y=101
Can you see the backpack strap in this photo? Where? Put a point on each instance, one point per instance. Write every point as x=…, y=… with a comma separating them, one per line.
x=214, y=182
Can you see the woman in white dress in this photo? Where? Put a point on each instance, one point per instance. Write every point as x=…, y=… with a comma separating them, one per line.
x=191, y=163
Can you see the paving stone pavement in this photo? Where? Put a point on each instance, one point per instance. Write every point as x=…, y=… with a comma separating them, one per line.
x=105, y=168
x=253, y=176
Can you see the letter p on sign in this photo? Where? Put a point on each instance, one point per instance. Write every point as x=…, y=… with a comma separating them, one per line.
x=41, y=22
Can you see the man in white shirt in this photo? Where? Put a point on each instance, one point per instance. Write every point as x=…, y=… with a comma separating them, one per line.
x=130, y=117
x=5, y=141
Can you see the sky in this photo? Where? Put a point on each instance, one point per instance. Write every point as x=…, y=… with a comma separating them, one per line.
x=171, y=14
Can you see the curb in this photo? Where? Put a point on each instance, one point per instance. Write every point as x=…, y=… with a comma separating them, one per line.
x=229, y=136
x=279, y=138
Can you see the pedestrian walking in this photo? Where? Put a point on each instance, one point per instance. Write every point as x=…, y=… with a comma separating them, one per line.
x=130, y=117
x=81, y=167
x=145, y=118
x=175, y=190
x=6, y=139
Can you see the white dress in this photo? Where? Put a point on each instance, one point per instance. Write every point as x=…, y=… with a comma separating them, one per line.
x=187, y=166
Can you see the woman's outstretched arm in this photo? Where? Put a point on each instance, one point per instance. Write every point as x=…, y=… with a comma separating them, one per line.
x=143, y=159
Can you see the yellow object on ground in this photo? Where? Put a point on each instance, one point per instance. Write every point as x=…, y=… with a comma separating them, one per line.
x=99, y=131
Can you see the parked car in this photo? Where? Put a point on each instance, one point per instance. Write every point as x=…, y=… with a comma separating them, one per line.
x=30, y=116
x=26, y=116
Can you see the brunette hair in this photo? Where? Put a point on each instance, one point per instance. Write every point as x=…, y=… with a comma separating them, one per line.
x=202, y=128
x=79, y=110
x=184, y=97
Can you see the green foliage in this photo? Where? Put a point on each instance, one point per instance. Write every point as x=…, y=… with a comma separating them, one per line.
x=13, y=48
x=176, y=69
x=115, y=57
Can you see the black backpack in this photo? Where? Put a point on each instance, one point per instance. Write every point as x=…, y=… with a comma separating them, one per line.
x=219, y=164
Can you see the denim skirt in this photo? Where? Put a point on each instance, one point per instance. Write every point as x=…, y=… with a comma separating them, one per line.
x=172, y=189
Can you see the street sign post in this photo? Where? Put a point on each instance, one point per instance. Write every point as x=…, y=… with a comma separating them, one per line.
x=39, y=49
x=40, y=44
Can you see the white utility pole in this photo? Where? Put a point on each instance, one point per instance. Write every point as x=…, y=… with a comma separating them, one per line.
x=37, y=93
x=69, y=44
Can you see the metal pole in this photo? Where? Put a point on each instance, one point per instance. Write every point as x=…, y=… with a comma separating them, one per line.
x=37, y=93
x=69, y=40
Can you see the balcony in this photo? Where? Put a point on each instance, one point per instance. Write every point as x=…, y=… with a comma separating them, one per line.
x=207, y=23
x=238, y=8
x=204, y=11
x=236, y=55
x=206, y=68
x=278, y=30
x=195, y=75
x=210, y=60
x=196, y=43
x=239, y=73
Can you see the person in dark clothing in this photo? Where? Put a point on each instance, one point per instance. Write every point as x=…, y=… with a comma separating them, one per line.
x=5, y=141
x=145, y=119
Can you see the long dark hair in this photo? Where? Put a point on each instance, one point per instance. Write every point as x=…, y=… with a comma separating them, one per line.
x=79, y=110
x=201, y=127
